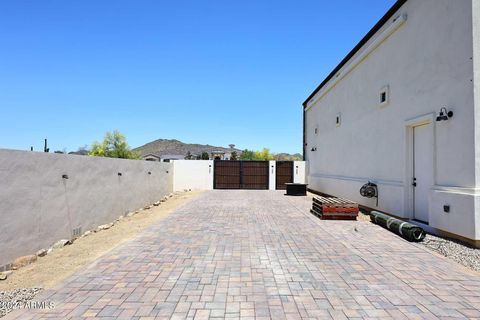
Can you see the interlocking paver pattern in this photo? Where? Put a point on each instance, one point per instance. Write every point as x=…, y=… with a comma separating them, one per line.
x=261, y=255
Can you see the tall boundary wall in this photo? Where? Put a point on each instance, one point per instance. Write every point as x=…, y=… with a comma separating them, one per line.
x=44, y=197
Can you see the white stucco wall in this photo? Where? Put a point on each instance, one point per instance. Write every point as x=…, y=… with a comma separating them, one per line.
x=299, y=172
x=39, y=207
x=426, y=64
x=476, y=83
x=193, y=174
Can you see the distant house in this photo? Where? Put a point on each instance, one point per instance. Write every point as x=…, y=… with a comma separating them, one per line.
x=218, y=155
x=402, y=110
x=151, y=157
x=170, y=157
x=162, y=158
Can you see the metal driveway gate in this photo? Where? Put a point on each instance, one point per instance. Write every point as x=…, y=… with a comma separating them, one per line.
x=284, y=174
x=230, y=174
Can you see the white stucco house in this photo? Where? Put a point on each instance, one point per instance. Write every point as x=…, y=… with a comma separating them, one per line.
x=403, y=110
x=162, y=157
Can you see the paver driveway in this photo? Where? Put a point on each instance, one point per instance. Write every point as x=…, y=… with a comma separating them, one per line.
x=260, y=254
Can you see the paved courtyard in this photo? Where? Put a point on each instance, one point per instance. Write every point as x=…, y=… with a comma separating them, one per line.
x=261, y=255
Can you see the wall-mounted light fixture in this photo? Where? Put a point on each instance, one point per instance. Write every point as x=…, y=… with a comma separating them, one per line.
x=314, y=149
x=64, y=176
x=149, y=172
x=444, y=115
x=119, y=174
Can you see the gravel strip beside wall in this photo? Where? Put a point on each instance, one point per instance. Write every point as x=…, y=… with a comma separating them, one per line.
x=15, y=299
x=467, y=256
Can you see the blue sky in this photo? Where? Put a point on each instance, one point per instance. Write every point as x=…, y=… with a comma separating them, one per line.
x=215, y=72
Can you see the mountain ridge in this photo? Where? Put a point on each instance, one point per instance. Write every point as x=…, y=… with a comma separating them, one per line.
x=162, y=147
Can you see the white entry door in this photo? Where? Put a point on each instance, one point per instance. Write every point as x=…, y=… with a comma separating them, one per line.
x=422, y=179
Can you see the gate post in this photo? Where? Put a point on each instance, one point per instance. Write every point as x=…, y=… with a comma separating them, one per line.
x=299, y=172
x=272, y=173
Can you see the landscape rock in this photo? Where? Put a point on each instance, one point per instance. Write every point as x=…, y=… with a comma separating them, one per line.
x=105, y=226
x=147, y=207
x=156, y=204
x=170, y=195
x=23, y=261
x=5, y=274
x=41, y=252
x=87, y=233
x=61, y=243
x=131, y=214
x=49, y=250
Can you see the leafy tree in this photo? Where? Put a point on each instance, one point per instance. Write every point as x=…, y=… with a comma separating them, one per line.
x=263, y=155
x=287, y=157
x=205, y=156
x=189, y=156
x=114, y=145
x=59, y=151
x=234, y=156
x=247, y=155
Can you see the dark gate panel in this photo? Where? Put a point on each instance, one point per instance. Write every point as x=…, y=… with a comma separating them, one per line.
x=284, y=174
x=227, y=175
x=240, y=174
x=255, y=175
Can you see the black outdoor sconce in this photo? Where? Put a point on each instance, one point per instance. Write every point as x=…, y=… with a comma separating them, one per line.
x=444, y=115
x=314, y=149
x=119, y=174
x=149, y=172
x=64, y=176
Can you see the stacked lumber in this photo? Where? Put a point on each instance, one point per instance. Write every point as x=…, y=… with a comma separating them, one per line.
x=334, y=208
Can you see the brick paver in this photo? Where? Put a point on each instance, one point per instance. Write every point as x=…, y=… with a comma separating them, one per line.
x=261, y=255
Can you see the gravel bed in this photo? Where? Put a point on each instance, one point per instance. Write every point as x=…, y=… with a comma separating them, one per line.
x=457, y=251
x=10, y=300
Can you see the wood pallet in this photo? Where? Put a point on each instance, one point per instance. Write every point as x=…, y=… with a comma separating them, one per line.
x=334, y=208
